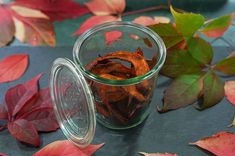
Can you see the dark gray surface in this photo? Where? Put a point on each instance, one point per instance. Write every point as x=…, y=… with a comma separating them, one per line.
x=168, y=132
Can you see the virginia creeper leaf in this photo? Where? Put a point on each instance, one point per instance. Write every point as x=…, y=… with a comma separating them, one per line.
x=213, y=90
x=106, y=7
x=229, y=89
x=57, y=10
x=7, y=28
x=157, y=154
x=16, y=97
x=112, y=36
x=186, y=89
x=146, y=20
x=217, y=27
x=65, y=147
x=180, y=62
x=226, y=66
x=220, y=144
x=36, y=31
x=187, y=23
x=13, y=67
x=43, y=119
x=94, y=20
x=200, y=50
x=168, y=33
x=24, y=131
x=3, y=112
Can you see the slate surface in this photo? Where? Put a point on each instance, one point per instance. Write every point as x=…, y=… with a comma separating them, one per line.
x=168, y=132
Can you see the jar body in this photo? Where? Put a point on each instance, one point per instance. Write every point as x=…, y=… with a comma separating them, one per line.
x=121, y=104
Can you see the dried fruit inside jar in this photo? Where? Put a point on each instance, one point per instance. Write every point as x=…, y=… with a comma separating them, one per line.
x=122, y=105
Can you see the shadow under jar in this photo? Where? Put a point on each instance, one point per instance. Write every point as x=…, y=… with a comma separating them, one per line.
x=120, y=62
x=112, y=80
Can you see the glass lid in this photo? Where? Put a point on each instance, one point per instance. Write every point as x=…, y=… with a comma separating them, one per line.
x=73, y=102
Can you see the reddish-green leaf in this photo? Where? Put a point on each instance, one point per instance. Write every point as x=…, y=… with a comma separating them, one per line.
x=16, y=97
x=94, y=20
x=112, y=36
x=168, y=33
x=186, y=89
x=226, y=66
x=220, y=144
x=7, y=28
x=200, y=50
x=157, y=154
x=180, y=62
x=229, y=89
x=13, y=67
x=217, y=27
x=24, y=131
x=106, y=7
x=57, y=10
x=187, y=23
x=3, y=112
x=146, y=20
x=213, y=90
x=67, y=148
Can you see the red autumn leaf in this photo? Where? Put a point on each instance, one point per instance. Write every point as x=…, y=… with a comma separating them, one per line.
x=43, y=119
x=112, y=36
x=56, y=9
x=16, y=97
x=229, y=89
x=24, y=131
x=2, y=154
x=32, y=26
x=94, y=20
x=157, y=154
x=7, y=28
x=106, y=7
x=13, y=67
x=220, y=144
x=3, y=112
x=65, y=147
x=146, y=20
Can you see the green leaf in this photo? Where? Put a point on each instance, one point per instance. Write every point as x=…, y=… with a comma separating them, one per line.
x=168, y=33
x=200, y=50
x=180, y=62
x=226, y=66
x=187, y=23
x=213, y=90
x=183, y=91
x=217, y=27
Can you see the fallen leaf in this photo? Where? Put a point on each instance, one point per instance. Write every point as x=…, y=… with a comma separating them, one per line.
x=57, y=10
x=112, y=36
x=229, y=89
x=177, y=60
x=157, y=154
x=106, y=7
x=7, y=28
x=220, y=144
x=94, y=20
x=168, y=33
x=13, y=67
x=65, y=147
x=187, y=23
x=186, y=89
x=24, y=131
x=146, y=20
x=226, y=66
x=200, y=50
x=2, y=154
x=217, y=27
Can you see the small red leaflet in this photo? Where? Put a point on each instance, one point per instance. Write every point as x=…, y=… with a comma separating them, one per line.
x=28, y=111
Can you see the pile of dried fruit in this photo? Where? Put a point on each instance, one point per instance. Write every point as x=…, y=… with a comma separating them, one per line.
x=122, y=104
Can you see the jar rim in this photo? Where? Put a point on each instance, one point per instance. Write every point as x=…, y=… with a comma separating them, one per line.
x=80, y=40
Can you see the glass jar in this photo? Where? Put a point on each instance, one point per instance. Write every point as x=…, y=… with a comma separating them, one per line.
x=80, y=96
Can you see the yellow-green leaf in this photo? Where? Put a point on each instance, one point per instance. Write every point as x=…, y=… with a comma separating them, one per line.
x=226, y=66
x=187, y=23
